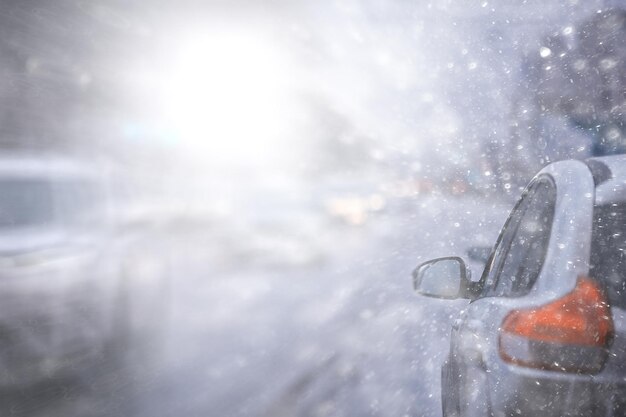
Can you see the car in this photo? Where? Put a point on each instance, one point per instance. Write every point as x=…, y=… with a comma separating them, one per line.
x=544, y=333
x=63, y=275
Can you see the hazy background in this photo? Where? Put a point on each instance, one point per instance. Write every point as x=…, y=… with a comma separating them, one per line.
x=260, y=92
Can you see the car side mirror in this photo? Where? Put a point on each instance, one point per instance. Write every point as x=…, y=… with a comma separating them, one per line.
x=443, y=278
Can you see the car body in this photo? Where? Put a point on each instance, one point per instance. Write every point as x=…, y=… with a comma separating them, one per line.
x=544, y=333
x=61, y=269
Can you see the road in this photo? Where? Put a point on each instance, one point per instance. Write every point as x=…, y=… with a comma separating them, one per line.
x=343, y=335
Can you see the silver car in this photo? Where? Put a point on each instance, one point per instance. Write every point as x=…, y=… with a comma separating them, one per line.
x=62, y=289
x=544, y=333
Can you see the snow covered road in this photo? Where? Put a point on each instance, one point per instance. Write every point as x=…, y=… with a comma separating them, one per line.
x=342, y=336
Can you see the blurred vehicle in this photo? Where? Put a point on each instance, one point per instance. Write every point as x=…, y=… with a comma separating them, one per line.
x=271, y=230
x=354, y=210
x=63, y=300
x=545, y=331
x=352, y=202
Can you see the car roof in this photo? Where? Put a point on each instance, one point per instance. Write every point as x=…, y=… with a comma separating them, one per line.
x=610, y=177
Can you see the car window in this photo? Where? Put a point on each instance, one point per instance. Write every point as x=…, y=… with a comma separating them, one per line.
x=520, y=253
x=25, y=203
x=607, y=250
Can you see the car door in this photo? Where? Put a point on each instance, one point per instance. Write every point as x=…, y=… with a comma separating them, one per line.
x=511, y=272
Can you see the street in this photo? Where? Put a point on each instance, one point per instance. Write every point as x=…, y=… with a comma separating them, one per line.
x=347, y=337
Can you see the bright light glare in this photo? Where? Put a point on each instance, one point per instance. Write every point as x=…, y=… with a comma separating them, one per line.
x=227, y=94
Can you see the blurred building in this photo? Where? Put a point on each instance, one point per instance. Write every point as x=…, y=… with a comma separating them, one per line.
x=572, y=96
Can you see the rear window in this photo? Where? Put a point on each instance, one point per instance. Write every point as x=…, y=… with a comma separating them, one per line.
x=25, y=203
x=608, y=250
x=34, y=202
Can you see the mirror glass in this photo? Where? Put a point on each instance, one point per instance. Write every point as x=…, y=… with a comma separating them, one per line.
x=439, y=278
